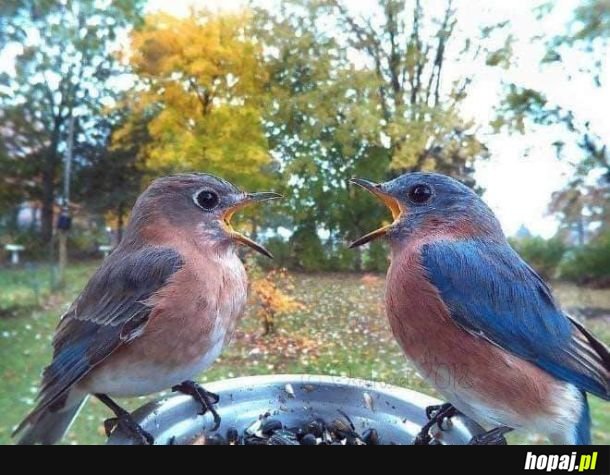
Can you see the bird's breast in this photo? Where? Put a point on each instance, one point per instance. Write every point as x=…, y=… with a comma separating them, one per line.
x=202, y=305
x=192, y=318
x=474, y=374
x=414, y=308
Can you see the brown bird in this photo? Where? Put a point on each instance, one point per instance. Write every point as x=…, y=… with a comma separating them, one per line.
x=156, y=313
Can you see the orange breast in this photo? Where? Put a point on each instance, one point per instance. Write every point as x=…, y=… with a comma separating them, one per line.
x=459, y=364
x=192, y=316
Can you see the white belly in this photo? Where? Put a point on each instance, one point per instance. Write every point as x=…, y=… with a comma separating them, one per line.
x=559, y=423
x=146, y=378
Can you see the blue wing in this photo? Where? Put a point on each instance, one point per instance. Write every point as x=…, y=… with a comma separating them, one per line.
x=491, y=292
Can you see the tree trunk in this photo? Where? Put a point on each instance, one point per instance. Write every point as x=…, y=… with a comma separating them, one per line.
x=63, y=257
x=48, y=198
x=49, y=170
x=268, y=321
x=358, y=261
x=581, y=230
x=268, y=324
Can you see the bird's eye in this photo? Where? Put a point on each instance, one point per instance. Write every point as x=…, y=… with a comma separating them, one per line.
x=207, y=199
x=420, y=194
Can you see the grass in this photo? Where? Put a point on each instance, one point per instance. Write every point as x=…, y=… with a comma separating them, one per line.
x=341, y=330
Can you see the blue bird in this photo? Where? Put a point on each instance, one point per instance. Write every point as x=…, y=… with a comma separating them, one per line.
x=478, y=323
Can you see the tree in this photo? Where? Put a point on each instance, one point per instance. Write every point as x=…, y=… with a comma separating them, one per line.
x=312, y=124
x=200, y=80
x=10, y=188
x=272, y=293
x=109, y=177
x=333, y=117
x=419, y=112
x=64, y=67
x=583, y=206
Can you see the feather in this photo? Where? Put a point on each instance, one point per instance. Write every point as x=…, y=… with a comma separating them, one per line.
x=490, y=290
x=112, y=310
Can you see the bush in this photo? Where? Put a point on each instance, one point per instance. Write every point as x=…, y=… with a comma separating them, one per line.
x=282, y=256
x=342, y=259
x=84, y=239
x=377, y=257
x=590, y=264
x=35, y=249
x=83, y=243
x=544, y=255
x=307, y=250
x=272, y=294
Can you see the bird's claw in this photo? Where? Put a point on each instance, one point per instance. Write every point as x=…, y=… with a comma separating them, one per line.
x=213, y=398
x=431, y=410
x=206, y=399
x=423, y=438
x=110, y=424
x=440, y=415
x=492, y=437
x=128, y=426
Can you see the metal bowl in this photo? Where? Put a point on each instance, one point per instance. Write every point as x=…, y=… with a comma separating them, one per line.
x=396, y=413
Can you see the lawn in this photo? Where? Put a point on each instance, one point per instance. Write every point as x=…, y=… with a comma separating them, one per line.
x=340, y=330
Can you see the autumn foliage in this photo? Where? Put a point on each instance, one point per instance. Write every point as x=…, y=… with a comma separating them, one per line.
x=272, y=295
x=202, y=90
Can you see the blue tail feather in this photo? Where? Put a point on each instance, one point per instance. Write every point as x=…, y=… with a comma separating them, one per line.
x=583, y=428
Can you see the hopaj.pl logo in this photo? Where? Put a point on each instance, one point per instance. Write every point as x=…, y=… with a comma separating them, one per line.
x=568, y=462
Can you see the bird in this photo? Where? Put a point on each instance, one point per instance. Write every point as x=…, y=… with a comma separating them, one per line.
x=156, y=313
x=478, y=323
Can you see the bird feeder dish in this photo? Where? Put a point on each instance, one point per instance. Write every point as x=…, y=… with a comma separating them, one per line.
x=397, y=414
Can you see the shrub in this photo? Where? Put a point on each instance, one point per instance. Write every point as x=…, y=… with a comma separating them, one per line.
x=84, y=242
x=544, y=255
x=590, y=264
x=376, y=259
x=342, y=259
x=307, y=250
x=271, y=293
x=282, y=254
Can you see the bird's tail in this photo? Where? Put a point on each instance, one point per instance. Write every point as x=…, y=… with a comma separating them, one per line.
x=578, y=432
x=583, y=427
x=48, y=424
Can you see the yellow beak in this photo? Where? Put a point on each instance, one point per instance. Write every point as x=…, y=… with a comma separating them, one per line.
x=392, y=203
x=249, y=198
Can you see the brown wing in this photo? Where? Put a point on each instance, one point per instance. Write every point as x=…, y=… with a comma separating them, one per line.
x=112, y=310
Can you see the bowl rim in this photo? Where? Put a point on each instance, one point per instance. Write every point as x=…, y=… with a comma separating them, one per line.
x=146, y=414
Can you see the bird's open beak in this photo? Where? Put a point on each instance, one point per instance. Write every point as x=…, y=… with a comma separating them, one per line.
x=392, y=203
x=248, y=199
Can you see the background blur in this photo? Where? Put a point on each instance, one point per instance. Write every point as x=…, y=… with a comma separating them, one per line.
x=98, y=97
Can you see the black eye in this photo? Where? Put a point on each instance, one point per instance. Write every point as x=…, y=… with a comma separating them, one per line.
x=207, y=199
x=420, y=194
